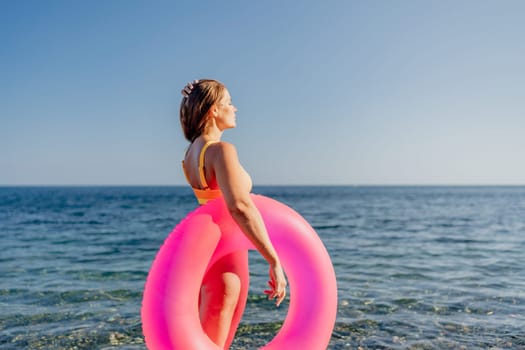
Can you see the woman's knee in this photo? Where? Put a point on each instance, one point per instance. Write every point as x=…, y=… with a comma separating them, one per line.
x=232, y=289
x=223, y=291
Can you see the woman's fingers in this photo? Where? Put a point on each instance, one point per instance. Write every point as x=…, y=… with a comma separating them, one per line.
x=270, y=292
x=277, y=284
x=276, y=293
x=279, y=297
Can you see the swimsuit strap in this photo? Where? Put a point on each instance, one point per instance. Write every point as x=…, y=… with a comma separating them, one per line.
x=201, y=164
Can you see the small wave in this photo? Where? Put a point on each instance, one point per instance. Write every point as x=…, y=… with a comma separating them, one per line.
x=97, y=276
x=454, y=240
x=39, y=222
x=60, y=222
x=327, y=227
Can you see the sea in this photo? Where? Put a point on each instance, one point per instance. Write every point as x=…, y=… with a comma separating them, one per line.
x=429, y=267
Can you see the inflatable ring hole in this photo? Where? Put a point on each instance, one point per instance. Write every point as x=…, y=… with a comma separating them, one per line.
x=261, y=320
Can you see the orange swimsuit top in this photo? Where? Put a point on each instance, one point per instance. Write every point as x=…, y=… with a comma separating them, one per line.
x=206, y=193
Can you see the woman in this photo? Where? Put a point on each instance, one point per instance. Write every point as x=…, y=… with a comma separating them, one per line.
x=212, y=169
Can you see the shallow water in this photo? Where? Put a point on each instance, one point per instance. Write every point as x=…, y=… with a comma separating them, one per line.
x=417, y=267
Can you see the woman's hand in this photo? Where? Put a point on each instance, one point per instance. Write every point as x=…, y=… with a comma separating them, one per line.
x=277, y=284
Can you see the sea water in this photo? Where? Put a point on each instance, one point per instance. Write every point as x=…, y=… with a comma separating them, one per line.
x=417, y=267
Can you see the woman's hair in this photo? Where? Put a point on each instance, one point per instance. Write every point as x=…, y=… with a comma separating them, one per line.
x=199, y=96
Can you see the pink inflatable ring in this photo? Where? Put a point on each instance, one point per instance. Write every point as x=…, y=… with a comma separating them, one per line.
x=170, y=315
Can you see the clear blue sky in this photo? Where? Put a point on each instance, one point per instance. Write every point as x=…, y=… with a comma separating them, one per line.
x=328, y=92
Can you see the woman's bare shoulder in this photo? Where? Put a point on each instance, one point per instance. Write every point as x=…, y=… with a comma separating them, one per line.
x=224, y=150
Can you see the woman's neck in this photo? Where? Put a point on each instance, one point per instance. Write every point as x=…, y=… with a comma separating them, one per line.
x=212, y=134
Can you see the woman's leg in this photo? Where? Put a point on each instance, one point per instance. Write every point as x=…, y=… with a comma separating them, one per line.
x=241, y=258
x=223, y=297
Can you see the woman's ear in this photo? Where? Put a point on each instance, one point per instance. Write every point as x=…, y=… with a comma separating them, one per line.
x=214, y=110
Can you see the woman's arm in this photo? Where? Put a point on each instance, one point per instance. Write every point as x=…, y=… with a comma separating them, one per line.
x=228, y=175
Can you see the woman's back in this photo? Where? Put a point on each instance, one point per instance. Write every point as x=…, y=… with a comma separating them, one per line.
x=199, y=166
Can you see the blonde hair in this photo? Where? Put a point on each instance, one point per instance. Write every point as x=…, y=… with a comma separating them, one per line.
x=200, y=96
